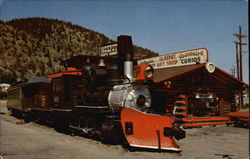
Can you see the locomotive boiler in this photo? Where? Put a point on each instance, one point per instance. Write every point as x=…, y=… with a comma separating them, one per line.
x=108, y=96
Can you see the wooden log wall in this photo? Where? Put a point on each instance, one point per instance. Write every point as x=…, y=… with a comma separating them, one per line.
x=199, y=81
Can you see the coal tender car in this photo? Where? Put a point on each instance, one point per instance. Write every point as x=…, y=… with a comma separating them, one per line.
x=109, y=97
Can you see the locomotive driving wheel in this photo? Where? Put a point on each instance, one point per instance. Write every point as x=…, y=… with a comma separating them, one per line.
x=90, y=126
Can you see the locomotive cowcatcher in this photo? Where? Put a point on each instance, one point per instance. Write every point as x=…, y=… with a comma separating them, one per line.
x=110, y=97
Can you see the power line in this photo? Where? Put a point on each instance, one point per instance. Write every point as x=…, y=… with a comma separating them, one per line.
x=239, y=43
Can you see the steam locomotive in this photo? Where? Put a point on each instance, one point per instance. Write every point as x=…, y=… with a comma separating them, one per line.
x=105, y=96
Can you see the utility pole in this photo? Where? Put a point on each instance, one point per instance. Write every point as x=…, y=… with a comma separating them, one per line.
x=240, y=71
x=237, y=62
x=240, y=43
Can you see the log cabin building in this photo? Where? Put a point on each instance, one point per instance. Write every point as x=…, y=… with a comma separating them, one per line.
x=198, y=93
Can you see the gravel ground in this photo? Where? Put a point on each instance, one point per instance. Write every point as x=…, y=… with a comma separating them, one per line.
x=33, y=141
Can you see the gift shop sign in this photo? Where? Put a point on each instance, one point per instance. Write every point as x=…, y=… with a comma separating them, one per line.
x=190, y=57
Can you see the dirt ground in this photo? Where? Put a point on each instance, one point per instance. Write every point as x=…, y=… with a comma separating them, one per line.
x=33, y=141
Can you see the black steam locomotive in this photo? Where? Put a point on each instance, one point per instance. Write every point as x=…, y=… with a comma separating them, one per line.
x=105, y=96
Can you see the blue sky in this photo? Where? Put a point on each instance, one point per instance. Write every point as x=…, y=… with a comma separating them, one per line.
x=163, y=26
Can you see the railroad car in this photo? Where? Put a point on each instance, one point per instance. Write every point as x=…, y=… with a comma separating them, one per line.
x=110, y=97
x=23, y=97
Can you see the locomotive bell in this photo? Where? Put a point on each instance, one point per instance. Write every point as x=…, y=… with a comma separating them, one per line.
x=101, y=64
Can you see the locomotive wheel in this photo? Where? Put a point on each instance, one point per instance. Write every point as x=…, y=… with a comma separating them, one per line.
x=61, y=125
x=90, y=126
x=27, y=117
x=82, y=124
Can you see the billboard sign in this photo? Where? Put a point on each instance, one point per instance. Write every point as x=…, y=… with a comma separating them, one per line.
x=109, y=50
x=190, y=57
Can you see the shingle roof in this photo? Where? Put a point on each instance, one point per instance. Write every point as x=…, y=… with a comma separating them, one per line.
x=161, y=75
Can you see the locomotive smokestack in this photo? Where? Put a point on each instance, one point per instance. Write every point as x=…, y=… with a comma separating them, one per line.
x=126, y=55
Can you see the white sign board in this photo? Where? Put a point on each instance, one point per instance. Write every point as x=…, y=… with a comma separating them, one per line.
x=189, y=57
x=109, y=50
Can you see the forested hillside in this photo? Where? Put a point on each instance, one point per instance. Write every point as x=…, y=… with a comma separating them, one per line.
x=32, y=46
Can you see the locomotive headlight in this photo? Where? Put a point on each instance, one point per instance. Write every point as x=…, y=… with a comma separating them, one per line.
x=141, y=100
x=149, y=71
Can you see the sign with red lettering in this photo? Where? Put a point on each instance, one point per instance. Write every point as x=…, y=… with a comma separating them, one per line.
x=190, y=57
